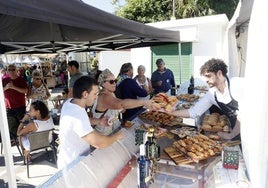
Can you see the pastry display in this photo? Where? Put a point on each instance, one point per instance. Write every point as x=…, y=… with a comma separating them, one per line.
x=178, y=157
x=214, y=137
x=198, y=147
x=163, y=101
x=188, y=97
x=215, y=122
x=159, y=132
x=160, y=117
x=182, y=132
x=186, y=105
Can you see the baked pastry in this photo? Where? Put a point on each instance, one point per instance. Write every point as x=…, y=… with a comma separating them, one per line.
x=206, y=127
x=217, y=128
x=214, y=137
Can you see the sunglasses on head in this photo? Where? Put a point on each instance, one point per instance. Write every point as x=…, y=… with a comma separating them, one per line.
x=111, y=81
x=11, y=70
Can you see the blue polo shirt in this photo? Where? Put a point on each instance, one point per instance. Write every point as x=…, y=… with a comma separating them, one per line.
x=131, y=90
x=167, y=78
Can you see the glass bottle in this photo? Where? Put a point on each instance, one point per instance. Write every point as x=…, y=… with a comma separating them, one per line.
x=192, y=80
x=191, y=85
x=151, y=146
x=143, y=169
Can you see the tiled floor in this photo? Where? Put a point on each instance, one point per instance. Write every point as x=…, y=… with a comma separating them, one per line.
x=40, y=170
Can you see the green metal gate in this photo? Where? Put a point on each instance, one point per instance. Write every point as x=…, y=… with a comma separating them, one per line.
x=170, y=55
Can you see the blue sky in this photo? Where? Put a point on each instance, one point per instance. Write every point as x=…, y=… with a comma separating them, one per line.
x=105, y=5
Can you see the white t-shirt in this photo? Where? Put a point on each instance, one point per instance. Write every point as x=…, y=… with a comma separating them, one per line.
x=41, y=126
x=74, y=124
x=44, y=125
x=146, y=83
x=209, y=98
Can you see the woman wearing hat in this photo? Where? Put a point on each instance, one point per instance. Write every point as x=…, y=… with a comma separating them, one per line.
x=38, y=90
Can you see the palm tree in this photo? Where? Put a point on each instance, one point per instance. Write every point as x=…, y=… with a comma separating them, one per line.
x=193, y=8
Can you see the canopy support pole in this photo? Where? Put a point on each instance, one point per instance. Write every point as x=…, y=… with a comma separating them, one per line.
x=180, y=62
x=6, y=142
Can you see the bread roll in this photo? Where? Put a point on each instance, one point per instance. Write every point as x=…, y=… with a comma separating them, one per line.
x=217, y=128
x=214, y=137
x=192, y=155
x=206, y=127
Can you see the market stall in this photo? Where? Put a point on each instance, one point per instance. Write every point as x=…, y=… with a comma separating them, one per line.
x=116, y=166
x=180, y=153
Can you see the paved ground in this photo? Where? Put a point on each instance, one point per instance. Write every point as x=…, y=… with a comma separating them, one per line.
x=41, y=169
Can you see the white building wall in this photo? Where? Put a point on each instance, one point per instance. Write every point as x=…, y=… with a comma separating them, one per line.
x=113, y=60
x=206, y=34
x=209, y=45
x=141, y=56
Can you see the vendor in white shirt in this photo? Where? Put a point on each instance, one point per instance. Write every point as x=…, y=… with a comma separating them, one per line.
x=219, y=96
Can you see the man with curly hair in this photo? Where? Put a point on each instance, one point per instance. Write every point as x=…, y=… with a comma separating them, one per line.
x=218, y=99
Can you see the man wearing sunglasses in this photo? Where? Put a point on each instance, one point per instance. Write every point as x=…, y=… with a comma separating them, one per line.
x=15, y=88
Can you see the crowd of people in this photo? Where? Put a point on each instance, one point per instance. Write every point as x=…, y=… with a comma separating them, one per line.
x=96, y=107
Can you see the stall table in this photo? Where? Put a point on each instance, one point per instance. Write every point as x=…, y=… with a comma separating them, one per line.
x=115, y=166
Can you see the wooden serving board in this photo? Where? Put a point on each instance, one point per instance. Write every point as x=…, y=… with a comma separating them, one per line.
x=177, y=157
x=176, y=121
x=180, y=159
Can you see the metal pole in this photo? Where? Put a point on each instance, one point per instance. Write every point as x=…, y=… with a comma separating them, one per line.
x=11, y=176
x=173, y=9
x=87, y=62
x=180, y=63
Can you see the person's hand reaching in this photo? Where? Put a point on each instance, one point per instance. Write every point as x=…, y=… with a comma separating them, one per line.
x=150, y=105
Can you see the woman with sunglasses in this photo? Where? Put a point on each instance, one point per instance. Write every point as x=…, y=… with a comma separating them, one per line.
x=109, y=105
x=38, y=90
x=36, y=120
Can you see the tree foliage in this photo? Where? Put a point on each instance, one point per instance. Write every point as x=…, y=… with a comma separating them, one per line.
x=147, y=11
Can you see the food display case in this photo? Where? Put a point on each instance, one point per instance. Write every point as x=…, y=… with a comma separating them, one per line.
x=116, y=166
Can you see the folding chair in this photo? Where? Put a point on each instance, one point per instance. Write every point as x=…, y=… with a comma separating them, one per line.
x=40, y=140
